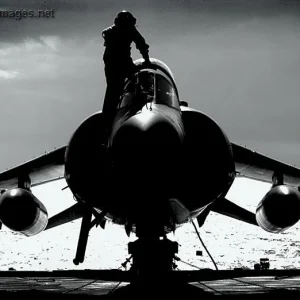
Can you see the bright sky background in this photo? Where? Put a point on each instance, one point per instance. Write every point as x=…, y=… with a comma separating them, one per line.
x=231, y=242
x=238, y=61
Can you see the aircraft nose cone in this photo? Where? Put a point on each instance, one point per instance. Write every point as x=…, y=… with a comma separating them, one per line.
x=146, y=140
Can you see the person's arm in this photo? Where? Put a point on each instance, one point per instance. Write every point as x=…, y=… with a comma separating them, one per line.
x=141, y=44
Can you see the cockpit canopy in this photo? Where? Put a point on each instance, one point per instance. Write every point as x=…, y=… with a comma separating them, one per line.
x=149, y=86
x=156, y=64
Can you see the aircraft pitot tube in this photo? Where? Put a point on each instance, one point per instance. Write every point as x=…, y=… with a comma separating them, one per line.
x=279, y=209
x=21, y=211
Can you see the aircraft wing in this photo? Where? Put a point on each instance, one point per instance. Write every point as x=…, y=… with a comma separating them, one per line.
x=43, y=169
x=257, y=166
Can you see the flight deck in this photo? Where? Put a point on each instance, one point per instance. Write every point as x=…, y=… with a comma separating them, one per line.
x=72, y=286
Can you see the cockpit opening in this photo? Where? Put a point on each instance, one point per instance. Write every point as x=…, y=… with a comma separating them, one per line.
x=149, y=86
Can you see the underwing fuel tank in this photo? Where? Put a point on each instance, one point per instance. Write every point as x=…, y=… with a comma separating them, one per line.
x=279, y=209
x=22, y=212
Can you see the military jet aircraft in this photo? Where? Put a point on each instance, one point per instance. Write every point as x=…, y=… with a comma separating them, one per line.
x=165, y=164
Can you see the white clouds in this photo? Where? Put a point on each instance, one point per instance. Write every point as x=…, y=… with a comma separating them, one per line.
x=49, y=57
x=30, y=59
x=31, y=45
x=52, y=42
x=8, y=74
x=58, y=83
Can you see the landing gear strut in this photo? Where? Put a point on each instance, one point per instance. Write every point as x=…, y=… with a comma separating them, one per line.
x=86, y=225
x=152, y=268
x=153, y=254
x=83, y=237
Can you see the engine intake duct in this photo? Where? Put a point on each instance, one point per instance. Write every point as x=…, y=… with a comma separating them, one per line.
x=22, y=212
x=279, y=209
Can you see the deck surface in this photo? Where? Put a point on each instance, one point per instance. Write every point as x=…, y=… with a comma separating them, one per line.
x=250, y=285
x=66, y=286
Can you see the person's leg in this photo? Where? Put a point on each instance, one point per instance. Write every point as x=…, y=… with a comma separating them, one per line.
x=115, y=81
x=110, y=91
x=115, y=76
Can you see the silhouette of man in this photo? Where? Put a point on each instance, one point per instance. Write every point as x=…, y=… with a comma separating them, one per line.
x=117, y=59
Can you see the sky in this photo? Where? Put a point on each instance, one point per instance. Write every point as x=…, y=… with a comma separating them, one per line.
x=238, y=61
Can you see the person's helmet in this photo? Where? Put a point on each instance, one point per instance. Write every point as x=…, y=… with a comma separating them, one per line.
x=125, y=19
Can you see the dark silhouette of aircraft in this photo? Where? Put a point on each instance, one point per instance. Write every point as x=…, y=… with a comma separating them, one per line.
x=166, y=164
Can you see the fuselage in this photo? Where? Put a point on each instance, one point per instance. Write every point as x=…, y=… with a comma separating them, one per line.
x=165, y=162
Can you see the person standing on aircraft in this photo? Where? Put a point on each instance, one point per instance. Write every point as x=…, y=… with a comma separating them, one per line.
x=117, y=59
